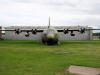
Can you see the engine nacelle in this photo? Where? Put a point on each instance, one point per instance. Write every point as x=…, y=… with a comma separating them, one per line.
x=27, y=34
x=65, y=31
x=72, y=34
x=34, y=31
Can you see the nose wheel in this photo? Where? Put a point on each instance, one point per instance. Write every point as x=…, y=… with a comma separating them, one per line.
x=52, y=41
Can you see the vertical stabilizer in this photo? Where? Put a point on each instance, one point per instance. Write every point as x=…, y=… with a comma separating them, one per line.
x=49, y=23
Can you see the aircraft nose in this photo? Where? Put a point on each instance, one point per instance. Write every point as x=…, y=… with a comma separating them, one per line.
x=50, y=36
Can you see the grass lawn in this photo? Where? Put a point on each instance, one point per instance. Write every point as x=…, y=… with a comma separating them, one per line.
x=34, y=58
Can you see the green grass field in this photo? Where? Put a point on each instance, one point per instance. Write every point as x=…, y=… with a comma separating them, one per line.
x=34, y=58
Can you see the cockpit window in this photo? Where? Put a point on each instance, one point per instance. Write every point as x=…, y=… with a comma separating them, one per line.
x=51, y=30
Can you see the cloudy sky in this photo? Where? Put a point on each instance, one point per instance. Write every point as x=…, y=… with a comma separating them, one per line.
x=62, y=12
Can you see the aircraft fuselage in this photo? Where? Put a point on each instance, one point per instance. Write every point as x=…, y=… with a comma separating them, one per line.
x=50, y=36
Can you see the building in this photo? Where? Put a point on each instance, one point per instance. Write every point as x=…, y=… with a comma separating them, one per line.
x=0, y=32
x=78, y=36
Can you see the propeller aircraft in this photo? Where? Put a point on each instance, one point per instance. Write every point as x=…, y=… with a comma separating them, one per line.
x=50, y=35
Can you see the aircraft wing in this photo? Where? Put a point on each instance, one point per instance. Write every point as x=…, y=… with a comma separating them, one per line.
x=24, y=30
x=66, y=31
x=81, y=30
x=18, y=31
x=92, y=29
x=32, y=30
x=7, y=30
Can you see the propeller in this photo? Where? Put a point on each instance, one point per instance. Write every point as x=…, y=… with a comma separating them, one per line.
x=34, y=31
x=82, y=30
x=65, y=31
x=18, y=31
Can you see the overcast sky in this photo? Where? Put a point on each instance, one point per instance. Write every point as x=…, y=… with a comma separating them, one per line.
x=62, y=12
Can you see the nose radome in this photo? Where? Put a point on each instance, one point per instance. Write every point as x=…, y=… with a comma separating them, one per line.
x=50, y=36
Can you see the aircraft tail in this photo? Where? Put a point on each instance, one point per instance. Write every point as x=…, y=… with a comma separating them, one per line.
x=49, y=23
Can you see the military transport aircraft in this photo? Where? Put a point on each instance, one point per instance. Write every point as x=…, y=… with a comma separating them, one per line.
x=50, y=35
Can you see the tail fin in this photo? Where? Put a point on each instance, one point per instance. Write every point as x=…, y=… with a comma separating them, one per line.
x=49, y=23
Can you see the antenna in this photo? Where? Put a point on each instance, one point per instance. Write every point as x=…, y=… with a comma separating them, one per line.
x=49, y=22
